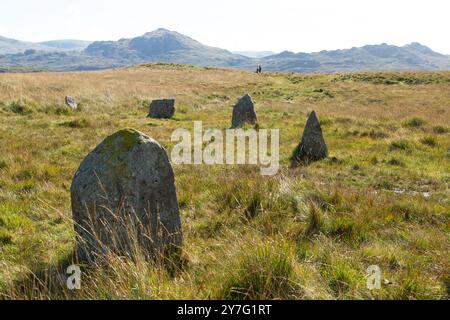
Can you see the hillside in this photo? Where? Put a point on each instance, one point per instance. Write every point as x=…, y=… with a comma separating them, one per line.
x=12, y=46
x=255, y=54
x=164, y=46
x=381, y=198
x=69, y=44
x=172, y=47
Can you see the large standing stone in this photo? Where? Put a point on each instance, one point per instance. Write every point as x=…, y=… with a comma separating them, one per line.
x=123, y=198
x=244, y=112
x=312, y=146
x=71, y=103
x=162, y=109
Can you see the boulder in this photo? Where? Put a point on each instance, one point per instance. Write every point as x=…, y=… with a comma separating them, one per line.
x=71, y=103
x=313, y=146
x=162, y=109
x=244, y=112
x=124, y=199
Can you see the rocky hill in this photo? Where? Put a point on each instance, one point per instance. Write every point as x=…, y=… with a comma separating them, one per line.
x=164, y=46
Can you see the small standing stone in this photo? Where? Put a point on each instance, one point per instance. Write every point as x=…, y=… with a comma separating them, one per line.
x=123, y=198
x=312, y=146
x=70, y=102
x=244, y=112
x=162, y=109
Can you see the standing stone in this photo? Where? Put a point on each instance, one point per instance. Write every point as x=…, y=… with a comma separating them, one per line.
x=123, y=198
x=162, y=109
x=70, y=102
x=244, y=112
x=312, y=146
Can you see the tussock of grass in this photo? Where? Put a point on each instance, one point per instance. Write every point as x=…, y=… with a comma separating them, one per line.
x=440, y=130
x=254, y=197
x=341, y=277
x=429, y=141
x=20, y=107
x=414, y=123
x=259, y=271
x=5, y=238
x=402, y=145
x=77, y=123
x=374, y=134
x=316, y=221
x=3, y=164
x=58, y=110
x=348, y=229
x=395, y=162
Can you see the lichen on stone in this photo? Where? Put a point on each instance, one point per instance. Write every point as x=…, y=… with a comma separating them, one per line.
x=118, y=144
x=122, y=141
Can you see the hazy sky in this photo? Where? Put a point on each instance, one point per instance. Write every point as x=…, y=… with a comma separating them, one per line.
x=276, y=25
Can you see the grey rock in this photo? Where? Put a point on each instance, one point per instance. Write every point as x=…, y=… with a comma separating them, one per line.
x=162, y=109
x=313, y=146
x=124, y=199
x=70, y=102
x=244, y=112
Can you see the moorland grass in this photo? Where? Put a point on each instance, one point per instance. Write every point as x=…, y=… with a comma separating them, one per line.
x=381, y=198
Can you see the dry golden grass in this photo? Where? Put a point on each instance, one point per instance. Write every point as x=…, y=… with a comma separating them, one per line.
x=191, y=85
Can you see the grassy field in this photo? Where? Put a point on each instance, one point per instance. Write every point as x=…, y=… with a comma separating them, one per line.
x=382, y=198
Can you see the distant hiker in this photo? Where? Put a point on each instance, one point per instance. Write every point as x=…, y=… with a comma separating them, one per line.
x=259, y=70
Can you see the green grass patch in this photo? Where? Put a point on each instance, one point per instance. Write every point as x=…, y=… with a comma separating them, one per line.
x=414, y=123
x=77, y=124
x=259, y=272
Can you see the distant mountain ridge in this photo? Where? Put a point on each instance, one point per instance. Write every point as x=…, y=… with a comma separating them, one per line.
x=167, y=46
x=381, y=57
x=255, y=54
x=67, y=44
x=13, y=46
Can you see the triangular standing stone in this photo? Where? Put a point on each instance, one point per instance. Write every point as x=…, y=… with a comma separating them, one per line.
x=312, y=146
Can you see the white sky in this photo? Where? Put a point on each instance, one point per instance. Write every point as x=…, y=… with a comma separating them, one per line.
x=276, y=25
